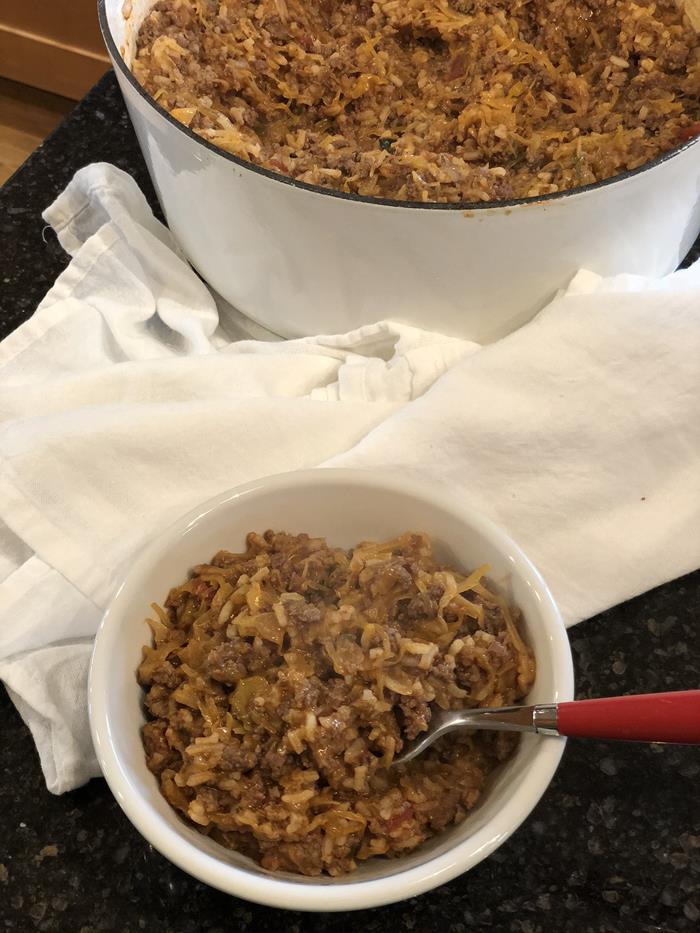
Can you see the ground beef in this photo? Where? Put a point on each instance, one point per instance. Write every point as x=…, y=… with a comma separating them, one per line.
x=298, y=610
x=429, y=100
x=422, y=606
x=159, y=754
x=274, y=720
x=240, y=755
x=416, y=716
x=226, y=662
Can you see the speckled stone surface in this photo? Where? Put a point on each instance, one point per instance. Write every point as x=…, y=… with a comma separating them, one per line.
x=614, y=845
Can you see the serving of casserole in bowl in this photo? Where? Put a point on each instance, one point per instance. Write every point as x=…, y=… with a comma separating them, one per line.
x=249, y=730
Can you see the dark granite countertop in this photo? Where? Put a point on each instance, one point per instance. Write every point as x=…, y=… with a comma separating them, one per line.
x=614, y=845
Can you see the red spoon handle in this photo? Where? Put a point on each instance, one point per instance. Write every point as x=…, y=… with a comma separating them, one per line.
x=652, y=717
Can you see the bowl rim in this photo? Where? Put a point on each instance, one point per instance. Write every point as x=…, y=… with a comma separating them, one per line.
x=468, y=206
x=311, y=896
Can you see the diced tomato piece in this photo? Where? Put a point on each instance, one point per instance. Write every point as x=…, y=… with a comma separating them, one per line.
x=688, y=132
x=405, y=813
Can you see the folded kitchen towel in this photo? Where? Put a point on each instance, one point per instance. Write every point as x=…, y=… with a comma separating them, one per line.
x=133, y=393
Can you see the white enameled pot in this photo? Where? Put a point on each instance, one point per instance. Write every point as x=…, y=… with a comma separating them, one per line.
x=303, y=260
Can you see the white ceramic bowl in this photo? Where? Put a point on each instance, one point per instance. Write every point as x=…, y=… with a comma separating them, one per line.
x=346, y=506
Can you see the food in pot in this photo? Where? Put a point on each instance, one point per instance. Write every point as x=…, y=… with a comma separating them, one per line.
x=429, y=100
x=283, y=681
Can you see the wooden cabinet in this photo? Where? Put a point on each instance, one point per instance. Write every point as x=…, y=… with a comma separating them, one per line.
x=52, y=44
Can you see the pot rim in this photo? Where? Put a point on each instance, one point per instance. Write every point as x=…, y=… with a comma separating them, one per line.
x=118, y=61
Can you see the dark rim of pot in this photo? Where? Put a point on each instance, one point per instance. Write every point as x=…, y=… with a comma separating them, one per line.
x=365, y=199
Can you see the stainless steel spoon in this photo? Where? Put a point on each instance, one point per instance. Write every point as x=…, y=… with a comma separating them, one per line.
x=651, y=717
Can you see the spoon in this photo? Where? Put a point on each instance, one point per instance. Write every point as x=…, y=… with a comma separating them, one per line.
x=650, y=717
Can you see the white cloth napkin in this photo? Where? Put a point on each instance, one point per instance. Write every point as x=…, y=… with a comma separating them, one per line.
x=133, y=393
